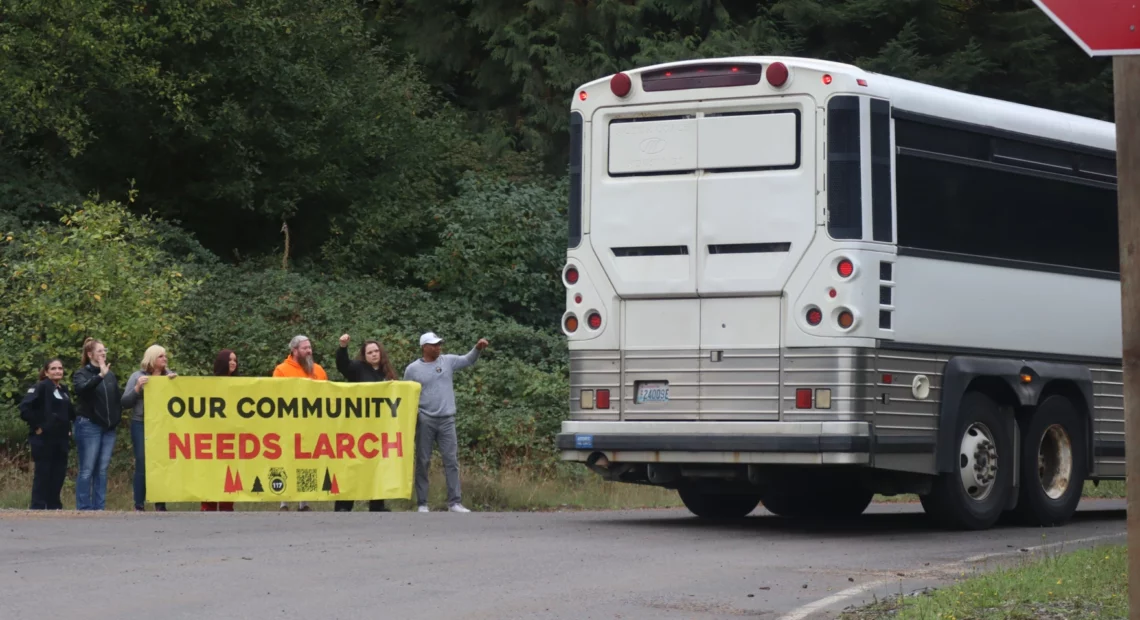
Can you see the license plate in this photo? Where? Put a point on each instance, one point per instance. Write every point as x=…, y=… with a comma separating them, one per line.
x=652, y=392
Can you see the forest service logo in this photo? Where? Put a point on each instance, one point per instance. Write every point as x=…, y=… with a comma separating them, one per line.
x=652, y=146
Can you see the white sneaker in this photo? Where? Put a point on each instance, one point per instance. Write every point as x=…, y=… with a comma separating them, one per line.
x=423, y=509
x=457, y=508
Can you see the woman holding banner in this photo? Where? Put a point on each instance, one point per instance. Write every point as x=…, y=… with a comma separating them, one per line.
x=370, y=365
x=225, y=365
x=154, y=364
x=48, y=410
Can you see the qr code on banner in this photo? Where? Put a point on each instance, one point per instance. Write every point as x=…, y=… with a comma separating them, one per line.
x=306, y=480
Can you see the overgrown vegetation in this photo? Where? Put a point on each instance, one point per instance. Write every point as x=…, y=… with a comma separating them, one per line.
x=1091, y=583
x=214, y=173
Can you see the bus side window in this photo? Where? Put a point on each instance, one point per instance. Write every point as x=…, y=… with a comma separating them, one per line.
x=844, y=185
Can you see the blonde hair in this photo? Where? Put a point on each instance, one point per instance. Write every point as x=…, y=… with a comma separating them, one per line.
x=152, y=353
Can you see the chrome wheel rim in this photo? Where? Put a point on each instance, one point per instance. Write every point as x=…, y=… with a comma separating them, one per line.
x=1055, y=461
x=978, y=461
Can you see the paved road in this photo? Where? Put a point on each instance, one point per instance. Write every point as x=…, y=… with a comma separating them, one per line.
x=628, y=565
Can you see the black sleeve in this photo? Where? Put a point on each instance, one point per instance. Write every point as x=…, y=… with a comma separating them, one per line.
x=84, y=381
x=345, y=365
x=31, y=407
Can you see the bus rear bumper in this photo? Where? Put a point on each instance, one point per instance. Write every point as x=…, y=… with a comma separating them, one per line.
x=787, y=443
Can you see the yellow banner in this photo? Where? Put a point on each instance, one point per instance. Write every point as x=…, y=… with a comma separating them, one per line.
x=276, y=439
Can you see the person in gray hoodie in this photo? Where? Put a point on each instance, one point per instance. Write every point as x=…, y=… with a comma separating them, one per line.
x=154, y=363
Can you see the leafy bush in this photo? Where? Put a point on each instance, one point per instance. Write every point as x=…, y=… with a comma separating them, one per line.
x=502, y=247
x=99, y=273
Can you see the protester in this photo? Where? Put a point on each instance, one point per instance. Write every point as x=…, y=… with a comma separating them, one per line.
x=99, y=412
x=370, y=365
x=48, y=411
x=300, y=364
x=436, y=420
x=225, y=365
x=154, y=364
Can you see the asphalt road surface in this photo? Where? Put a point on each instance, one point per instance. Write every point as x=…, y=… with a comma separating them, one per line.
x=628, y=565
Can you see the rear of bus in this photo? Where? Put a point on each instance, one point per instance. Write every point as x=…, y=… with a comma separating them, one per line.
x=730, y=245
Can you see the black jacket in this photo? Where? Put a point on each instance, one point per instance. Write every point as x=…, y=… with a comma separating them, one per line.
x=356, y=371
x=99, y=398
x=48, y=407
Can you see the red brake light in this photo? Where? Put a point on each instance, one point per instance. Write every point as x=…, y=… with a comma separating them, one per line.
x=594, y=320
x=845, y=268
x=572, y=275
x=777, y=74
x=803, y=398
x=602, y=400
x=571, y=323
x=814, y=317
x=826, y=78
x=620, y=84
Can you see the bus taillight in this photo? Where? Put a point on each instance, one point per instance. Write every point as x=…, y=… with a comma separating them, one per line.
x=777, y=74
x=594, y=320
x=602, y=401
x=620, y=84
x=845, y=319
x=803, y=398
x=571, y=275
x=845, y=268
x=814, y=316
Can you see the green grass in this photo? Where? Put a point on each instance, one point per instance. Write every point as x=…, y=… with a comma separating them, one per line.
x=1082, y=585
x=569, y=487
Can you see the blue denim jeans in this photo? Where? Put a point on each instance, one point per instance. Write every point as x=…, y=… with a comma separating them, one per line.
x=93, y=446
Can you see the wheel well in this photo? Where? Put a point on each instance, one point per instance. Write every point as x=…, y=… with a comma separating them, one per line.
x=996, y=389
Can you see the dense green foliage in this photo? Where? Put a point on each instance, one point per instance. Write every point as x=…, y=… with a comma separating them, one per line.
x=377, y=167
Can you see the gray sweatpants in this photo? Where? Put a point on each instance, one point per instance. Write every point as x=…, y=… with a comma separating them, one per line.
x=431, y=430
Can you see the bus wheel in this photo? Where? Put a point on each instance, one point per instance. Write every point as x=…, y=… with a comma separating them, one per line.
x=822, y=500
x=1052, y=464
x=718, y=505
x=975, y=494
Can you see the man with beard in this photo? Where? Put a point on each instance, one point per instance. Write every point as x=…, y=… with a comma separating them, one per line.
x=300, y=364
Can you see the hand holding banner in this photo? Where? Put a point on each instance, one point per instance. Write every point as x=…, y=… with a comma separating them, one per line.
x=277, y=439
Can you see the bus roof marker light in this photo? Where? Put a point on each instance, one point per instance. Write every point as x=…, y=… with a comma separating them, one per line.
x=827, y=78
x=861, y=82
x=620, y=84
x=777, y=74
x=582, y=95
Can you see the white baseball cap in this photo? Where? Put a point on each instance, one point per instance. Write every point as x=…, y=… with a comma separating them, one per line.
x=430, y=338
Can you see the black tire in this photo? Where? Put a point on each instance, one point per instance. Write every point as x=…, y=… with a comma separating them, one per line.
x=950, y=503
x=1036, y=505
x=817, y=500
x=718, y=505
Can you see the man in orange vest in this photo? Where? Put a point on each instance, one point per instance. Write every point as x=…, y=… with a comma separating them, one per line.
x=300, y=365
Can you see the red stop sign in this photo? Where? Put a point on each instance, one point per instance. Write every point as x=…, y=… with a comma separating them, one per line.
x=1101, y=27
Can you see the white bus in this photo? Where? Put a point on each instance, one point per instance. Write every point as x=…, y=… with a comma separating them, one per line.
x=795, y=282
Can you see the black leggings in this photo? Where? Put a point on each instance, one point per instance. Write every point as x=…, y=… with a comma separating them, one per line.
x=49, y=453
x=374, y=505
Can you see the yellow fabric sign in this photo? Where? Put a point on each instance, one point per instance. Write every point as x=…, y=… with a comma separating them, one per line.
x=276, y=439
